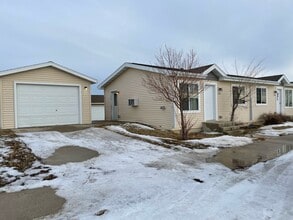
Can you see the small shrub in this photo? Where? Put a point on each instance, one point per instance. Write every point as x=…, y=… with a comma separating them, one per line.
x=274, y=118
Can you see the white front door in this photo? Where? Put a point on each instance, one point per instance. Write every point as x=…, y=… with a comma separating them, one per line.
x=279, y=101
x=210, y=103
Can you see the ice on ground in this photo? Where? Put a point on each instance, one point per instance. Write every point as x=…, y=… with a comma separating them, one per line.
x=121, y=181
x=223, y=141
x=270, y=131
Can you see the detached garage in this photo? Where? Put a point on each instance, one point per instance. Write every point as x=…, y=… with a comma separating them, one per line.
x=44, y=94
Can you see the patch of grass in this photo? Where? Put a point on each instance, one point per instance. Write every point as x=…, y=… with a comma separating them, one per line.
x=155, y=132
x=281, y=127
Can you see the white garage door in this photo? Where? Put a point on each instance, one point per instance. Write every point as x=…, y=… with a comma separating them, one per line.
x=38, y=105
x=98, y=112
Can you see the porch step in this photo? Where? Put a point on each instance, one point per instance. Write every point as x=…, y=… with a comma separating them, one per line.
x=226, y=127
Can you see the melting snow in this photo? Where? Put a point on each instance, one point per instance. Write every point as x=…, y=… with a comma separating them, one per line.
x=270, y=131
x=120, y=181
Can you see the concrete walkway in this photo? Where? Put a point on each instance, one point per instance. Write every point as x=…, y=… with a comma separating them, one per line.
x=29, y=204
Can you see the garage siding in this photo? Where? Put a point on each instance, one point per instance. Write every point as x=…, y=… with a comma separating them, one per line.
x=48, y=75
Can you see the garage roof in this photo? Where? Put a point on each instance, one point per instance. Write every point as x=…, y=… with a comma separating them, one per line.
x=47, y=64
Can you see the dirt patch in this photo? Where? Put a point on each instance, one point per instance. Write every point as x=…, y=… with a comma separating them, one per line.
x=30, y=204
x=20, y=157
x=68, y=154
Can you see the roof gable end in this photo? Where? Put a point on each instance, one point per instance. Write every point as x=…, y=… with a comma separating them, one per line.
x=43, y=65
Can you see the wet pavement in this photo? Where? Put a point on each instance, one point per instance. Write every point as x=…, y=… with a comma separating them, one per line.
x=30, y=204
x=69, y=154
x=246, y=156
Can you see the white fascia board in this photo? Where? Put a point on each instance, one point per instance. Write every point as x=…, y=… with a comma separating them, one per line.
x=257, y=81
x=285, y=78
x=47, y=64
x=216, y=67
x=125, y=66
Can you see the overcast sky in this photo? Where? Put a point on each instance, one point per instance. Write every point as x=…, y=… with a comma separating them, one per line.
x=95, y=37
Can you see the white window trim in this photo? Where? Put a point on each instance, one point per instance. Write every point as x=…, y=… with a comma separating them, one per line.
x=235, y=85
x=194, y=111
x=285, y=98
x=261, y=87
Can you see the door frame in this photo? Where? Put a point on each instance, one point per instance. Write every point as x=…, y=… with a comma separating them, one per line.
x=216, y=99
x=113, y=93
x=282, y=99
x=45, y=84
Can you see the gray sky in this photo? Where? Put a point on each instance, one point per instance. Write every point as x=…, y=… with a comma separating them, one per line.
x=95, y=37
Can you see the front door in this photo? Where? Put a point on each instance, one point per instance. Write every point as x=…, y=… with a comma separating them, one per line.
x=115, y=106
x=210, y=103
x=279, y=101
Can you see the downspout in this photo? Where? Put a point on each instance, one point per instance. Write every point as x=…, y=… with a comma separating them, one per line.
x=250, y=107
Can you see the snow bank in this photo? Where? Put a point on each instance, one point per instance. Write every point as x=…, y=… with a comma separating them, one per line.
x=121, y=130
x=223, y=141
x=270, y=131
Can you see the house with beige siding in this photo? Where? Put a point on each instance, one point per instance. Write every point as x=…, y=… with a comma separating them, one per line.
x=44, y=94
x=127, y=99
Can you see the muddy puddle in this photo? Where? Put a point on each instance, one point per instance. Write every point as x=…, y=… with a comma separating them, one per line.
x=69, y=154
x=30, y=204
x=246, y=156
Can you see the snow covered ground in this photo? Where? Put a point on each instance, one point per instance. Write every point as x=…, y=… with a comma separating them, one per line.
x=133, y=179
x=272, y=130
x=216, y=142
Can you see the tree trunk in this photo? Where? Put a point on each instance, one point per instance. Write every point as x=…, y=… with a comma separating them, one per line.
x=184, y=133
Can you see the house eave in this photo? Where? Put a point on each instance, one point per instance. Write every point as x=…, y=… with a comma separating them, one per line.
x=243, y=80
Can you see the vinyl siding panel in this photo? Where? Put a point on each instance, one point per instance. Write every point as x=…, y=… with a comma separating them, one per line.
x=243, y=111
x=130, y=86
x=42, y=75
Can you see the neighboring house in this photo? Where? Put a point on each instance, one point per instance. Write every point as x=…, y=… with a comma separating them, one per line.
x=127, y=99
x=44, y=94
x=98, y=108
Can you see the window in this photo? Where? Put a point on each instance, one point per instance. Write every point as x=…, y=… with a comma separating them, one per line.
x=261, y=96
x=190, y=96
x=238, y=94
x=288, y=98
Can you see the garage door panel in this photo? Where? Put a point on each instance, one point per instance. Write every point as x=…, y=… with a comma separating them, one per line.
x=39, y=105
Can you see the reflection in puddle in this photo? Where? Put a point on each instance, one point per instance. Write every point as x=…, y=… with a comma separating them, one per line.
x=246, y=156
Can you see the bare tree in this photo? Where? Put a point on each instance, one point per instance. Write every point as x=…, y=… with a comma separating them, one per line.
x=174, y=81
x=245, y=84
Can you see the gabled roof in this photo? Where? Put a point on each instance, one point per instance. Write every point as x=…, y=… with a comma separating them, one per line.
x=271, y=78
x=202, y=70
x=46, y=64
x=97, y=99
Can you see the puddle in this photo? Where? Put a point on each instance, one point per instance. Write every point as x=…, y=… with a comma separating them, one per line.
x=30, y=204
x=246, y=156
x=68, y=154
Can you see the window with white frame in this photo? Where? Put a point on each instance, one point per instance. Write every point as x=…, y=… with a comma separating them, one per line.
x=238, y=94
x=288, y=98
x=261, y=95
x=190, y=96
